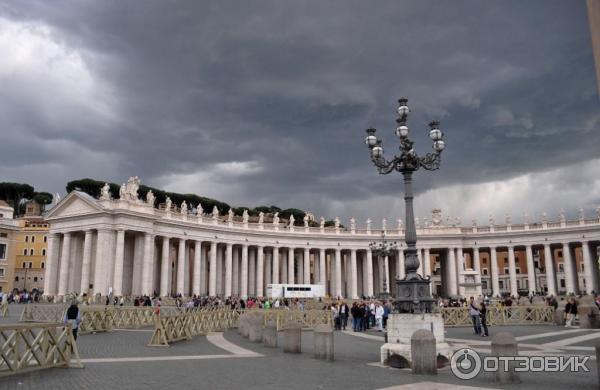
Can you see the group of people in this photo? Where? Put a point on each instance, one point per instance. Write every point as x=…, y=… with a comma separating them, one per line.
x=21, y=296
x=363, y=314
x=478, y=312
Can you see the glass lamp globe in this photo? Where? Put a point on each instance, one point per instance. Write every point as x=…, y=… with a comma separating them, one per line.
x=435, y=134
x=402, y=131
x=377, y=152
x=439, y=145
x=403, y=110
x=371, y=140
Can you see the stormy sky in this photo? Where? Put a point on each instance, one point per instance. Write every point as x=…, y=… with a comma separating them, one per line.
x=266, y=102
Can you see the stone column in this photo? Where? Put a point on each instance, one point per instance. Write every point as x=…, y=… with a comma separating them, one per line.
x=338, y=273
x=251, y=272
x=103, y=257
x=426, y=262
x=323, y=270
x=165, y=269
x=460, y=269
x=148, y=269
x=550, y=274
x=196, y=271
x=220, y=271
x=306, y=265
x=260, y=259
x=570, y=274
x=400, y=264
x=530, y=269
x=275, y=279
x=420, y=257
x=477, y=267
x=119, y=260
x=354, y=275
x=284, y=267
x=138, y=252
x=453, y=288
x=291, y=268
x=494, y=265
x=181, y=267
x=86, y=267
x=512, y=272
x=52, y=264
x=64, y=264
x=235, y=284
x=268, y=269
x=244, y=292
x=386, y=269
x=588, y=267
x=228, y=269
x=212, y=276
x=369, y=273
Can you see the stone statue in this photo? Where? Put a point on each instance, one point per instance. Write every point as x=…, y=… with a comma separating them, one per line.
x=215, y=212
x=276, y=219
x=132, y=187
x=322, y=223
x=184, y=208
x=245, y=216
x=105, y=192
x=581, y=214
x=369, y=224
x=168, y=204
x=400, y=224
x=199, y=210
x=352, y=224
x=150, y=198
x=561, y=215
x=507, y=219
x=384, y=224
x=336, y=223
x=230, y=215
x=292, y=220
x=436, y=217
x=305, y=219
x=123, y=192
x=261, y=218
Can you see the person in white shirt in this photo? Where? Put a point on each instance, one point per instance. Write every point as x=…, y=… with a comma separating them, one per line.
x=379, y=317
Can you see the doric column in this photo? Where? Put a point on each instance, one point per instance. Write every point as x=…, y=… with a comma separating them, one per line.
x=495, y=281
x=138, y=254
x=283, y=267
x=148, y=269
x=369, y=275
x=323, y=270
x=103, y=257
x=268, y=268
x=400, y=264
x=530, y=269
x=251, y=272
x=212, y=276
x=354, y=275
x=204, y=270
x=306, y=265
x=386, y=270
x=452, y=285
x=460, y=270
x=260, y=260
x=338, y=273
x=549, y=265
x=52, y=264
x=588, y=267
x=86, y=266
x=119, y=260
x=228, y=269
x=512, y=272
x=196, y=271
x=477, y=267
x=235, y=284
x=568, y=266
x=291, y=267
x=165, y=269
x=63, y=276
x=220, y=271
x=275, y=279
x=181, y=267
x=244, y=292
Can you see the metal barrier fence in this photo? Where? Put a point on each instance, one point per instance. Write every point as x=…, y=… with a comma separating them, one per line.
x=506, y=315
x=30, y=347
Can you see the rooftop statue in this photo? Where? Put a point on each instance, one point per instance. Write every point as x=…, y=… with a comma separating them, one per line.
x=276, y=219
x=150, y=198
x=261, y=217
x=215, y=212
x=184, y=208
x=168, y=204
x=305, y=219
x=230, y=215
x=245, y=216
x=352, y=224
x=105, y=192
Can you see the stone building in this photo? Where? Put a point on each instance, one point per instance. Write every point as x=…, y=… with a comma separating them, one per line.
x=31, y=247
x=8, y=230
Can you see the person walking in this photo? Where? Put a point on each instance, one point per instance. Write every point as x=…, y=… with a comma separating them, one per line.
x=482, y=314
x=570, y=312
x=475, y=316
x=73, y=317
x=379, y=317
x=344, y=312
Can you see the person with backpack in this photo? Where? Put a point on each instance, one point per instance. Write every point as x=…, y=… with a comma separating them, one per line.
x=475, y=316
x=73, y=317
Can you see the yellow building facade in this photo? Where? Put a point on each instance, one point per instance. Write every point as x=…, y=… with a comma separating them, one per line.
x=31, y=247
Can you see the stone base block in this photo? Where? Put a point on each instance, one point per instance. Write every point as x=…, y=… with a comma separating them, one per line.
x=390, y=349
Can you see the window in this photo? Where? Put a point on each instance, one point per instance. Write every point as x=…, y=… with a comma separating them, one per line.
x=42, y=265
x=31, y=252
x=518, y=270
x=26, y=238
x=505, y=271
x=559, y=253
x=45, y=238
x=501, y=284
x=561, y=267
x=25, y=252
x=35, y=278
x=32, y=238
x=43, y=252
x=3, y=235
x=16, y=278
x=1, y=215
x=484, y=284
x=1, y=272
x=485, y=271
x=562, y=283
x=2, y=251
x=30, y=264
x=484, y=261
x=23, y=265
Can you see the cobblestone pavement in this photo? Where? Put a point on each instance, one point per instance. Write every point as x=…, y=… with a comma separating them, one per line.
x=122, y=360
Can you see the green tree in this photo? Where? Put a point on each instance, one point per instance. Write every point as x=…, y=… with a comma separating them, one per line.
x=15, y=194
x=43, y=199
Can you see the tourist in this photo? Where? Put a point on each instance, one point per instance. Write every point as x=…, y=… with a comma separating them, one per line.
x=379, y=317
x=336, y=317
x=73, y=318
x=355, y=311
x=482, y=317
x=344, y=312
x=475, y=316
x=570, y=312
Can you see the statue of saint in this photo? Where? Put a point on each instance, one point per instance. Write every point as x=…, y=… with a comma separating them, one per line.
x=491, y=220
x=507, y=218
x=150, y=198
x=526, y=218
x=261, y=218
x=168, y=204
x=199, y=210
x=184, y=208
x=368, y=224
x=292, y=220
x=230, y=215
x=400, y=224
x=276, y=219
x=105, y=192
x=581, y=214
x=384, y=224
x=215, y=212
x=561, y=215
x=322, y=223
x=245, y=216
x=305, y=219
x=123, y=192
x=352, y=224
x=336, y=223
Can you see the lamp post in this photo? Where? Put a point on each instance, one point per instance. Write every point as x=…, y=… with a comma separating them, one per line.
x=412, y=292
x=383, y=250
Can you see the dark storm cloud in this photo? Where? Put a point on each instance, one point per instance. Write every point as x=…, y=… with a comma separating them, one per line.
x=290, y=86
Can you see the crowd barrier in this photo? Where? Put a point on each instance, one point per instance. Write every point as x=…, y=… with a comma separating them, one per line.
x=30, y=347
x=504, y=315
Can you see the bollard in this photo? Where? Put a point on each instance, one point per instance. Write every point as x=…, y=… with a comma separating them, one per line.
x=292, y=338
x=246, y=326
x=323, y=340
x=241, y=323
x=255, y=329
x=559, y=316
x=504, y=344
x=270, y=335
x=423, y=353
x=588, y=315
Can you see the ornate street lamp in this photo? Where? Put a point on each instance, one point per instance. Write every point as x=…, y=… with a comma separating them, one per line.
x=382, y=250
x=413, y=292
